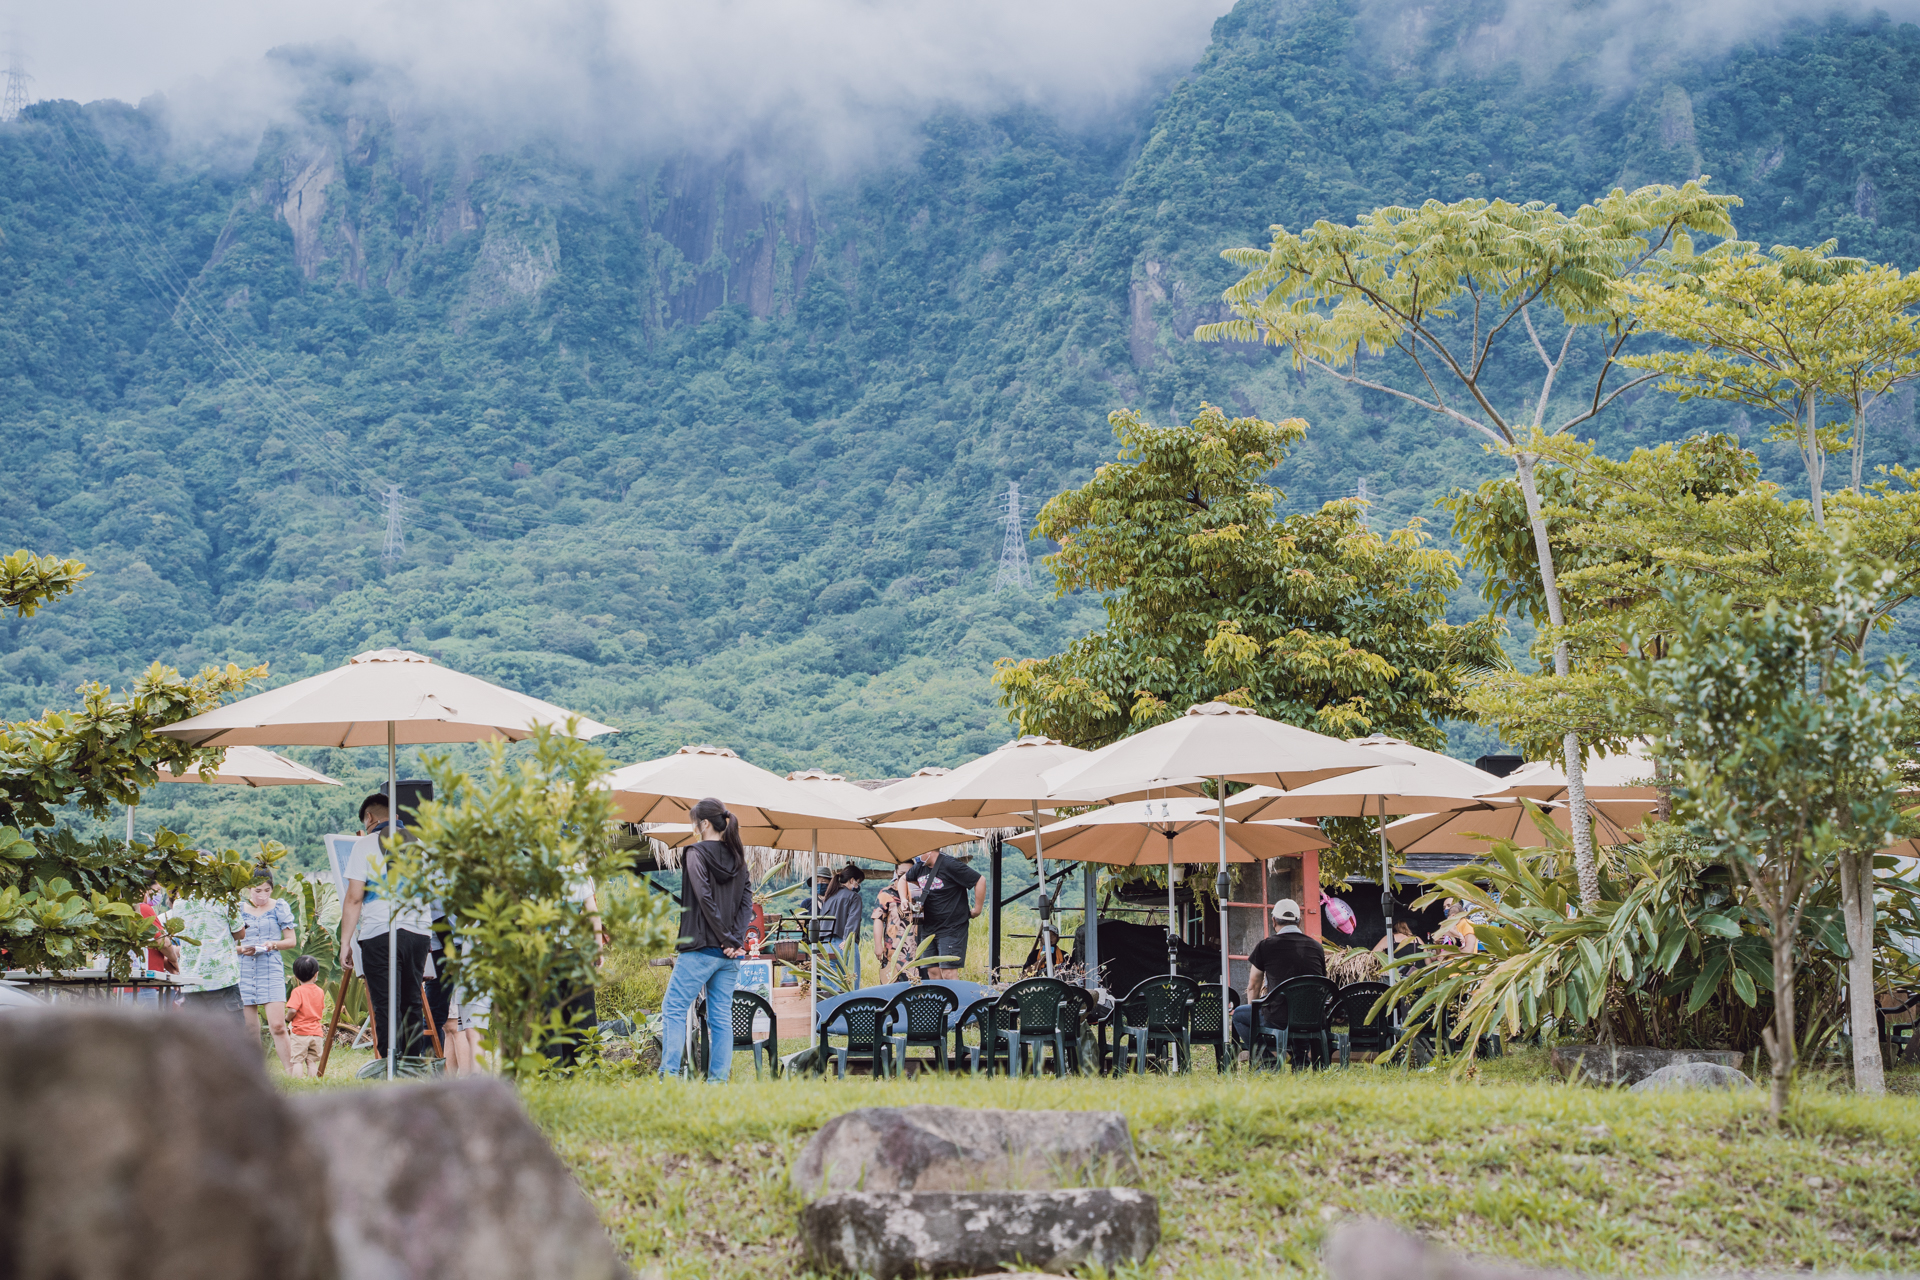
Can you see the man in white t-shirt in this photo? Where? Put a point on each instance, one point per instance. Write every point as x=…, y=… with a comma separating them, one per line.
x=363, y=930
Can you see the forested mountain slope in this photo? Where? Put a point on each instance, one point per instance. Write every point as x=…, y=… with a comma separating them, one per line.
x=710, y=446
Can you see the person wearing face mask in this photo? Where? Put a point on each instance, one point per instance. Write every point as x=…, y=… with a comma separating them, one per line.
x=716, y=906
x=265, y=930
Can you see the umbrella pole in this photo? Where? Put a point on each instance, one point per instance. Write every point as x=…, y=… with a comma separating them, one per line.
x=1046, y=906
x=130, y=824
x=1386, y=885
x=393, y=909
x=1173, y=952
x=813, y=943
x=1091, y=890
x=1220, y=890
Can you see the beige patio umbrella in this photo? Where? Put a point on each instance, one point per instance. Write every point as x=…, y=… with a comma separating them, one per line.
x=1176, y=829
x=246, y=767
x=384, y=697
x=1004, y=786
x=768, y=806
x=1420, y=781
x=253, y=767
x=1619, y=786
x=1472, y=831
x=1219, y=741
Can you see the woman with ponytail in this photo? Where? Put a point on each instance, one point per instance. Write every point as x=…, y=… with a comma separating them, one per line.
x=716, y=905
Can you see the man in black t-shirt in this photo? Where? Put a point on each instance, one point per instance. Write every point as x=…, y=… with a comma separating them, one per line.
x=1286, y=953
x=945, y=909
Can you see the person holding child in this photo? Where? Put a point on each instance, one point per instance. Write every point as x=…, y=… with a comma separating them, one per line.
x=265, y=929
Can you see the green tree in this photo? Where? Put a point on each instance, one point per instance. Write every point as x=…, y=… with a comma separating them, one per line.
x=1696, y=510
x=1785, y=333
x=1785, y=746
x=65, y=898
x=1311, y=619
x=508, y=853
x=1453, y=290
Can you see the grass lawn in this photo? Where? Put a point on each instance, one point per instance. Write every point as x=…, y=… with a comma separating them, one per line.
x=691, y=1180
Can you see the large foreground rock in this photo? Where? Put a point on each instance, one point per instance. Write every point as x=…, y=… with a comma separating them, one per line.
x=451, y=1180
x=956, y=1233
x=1692, y=1075
x=1630, y=1064
x=136, y=1145
x=965, y=1149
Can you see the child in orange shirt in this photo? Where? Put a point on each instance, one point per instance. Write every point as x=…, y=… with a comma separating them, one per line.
x=306, y=1007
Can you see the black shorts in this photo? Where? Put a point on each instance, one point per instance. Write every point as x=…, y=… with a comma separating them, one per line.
x=946, y=942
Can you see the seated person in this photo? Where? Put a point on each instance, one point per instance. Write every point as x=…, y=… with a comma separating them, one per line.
x=1457, y=930
x=1404, y=938
x=1287, y=953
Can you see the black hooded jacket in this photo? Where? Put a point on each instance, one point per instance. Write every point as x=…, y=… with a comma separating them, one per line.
x=716, y=898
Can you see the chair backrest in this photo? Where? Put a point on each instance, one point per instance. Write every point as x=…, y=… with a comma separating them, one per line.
x=1035, y=1005
x=1163, y=1003
x=923, y=1010
x=863, y=1018
x=1369, y=1033
x=1356, y=1000
x=745, y=1005
x=1308, y=1001
x=981, y=1014
x=1209, y=1015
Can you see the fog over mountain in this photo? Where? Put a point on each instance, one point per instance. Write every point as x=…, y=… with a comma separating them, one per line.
x=846, y=79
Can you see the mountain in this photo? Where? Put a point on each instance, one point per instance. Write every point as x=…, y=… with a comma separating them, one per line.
x=712, y=446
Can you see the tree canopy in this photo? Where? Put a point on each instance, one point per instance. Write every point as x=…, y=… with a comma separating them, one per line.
x=1313, y=619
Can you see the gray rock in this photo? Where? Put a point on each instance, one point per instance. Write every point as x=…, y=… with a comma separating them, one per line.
x=451, y=1179
x=1629, y=1064
x=956, y=1233
x=1693, y=1075
x=142, y=1145
x=965, y=1149
x=1369, y=1249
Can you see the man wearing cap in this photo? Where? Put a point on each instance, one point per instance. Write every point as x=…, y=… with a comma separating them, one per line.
x=363, y=931
x=1286, y=953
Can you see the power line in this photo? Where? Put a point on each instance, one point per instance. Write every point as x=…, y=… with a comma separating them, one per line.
x=1014, y=570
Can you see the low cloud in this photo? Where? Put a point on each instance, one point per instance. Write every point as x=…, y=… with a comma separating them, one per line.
x=842, y=78
x=1610, y=41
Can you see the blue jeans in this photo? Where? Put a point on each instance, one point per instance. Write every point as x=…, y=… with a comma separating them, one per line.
x=709, y=970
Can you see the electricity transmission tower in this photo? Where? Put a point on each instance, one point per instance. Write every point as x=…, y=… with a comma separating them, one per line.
x=396, y=545
x=1366, y=500
x=15, y=99
x=1014, y=570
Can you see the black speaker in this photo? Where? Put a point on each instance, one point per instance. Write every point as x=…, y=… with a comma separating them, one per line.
x=412, y=792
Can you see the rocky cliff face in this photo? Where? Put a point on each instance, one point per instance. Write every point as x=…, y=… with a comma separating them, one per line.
x=376, y=201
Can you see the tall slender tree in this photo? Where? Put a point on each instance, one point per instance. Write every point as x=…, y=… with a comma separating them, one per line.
x=1786, y=334
x=1461, y=292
